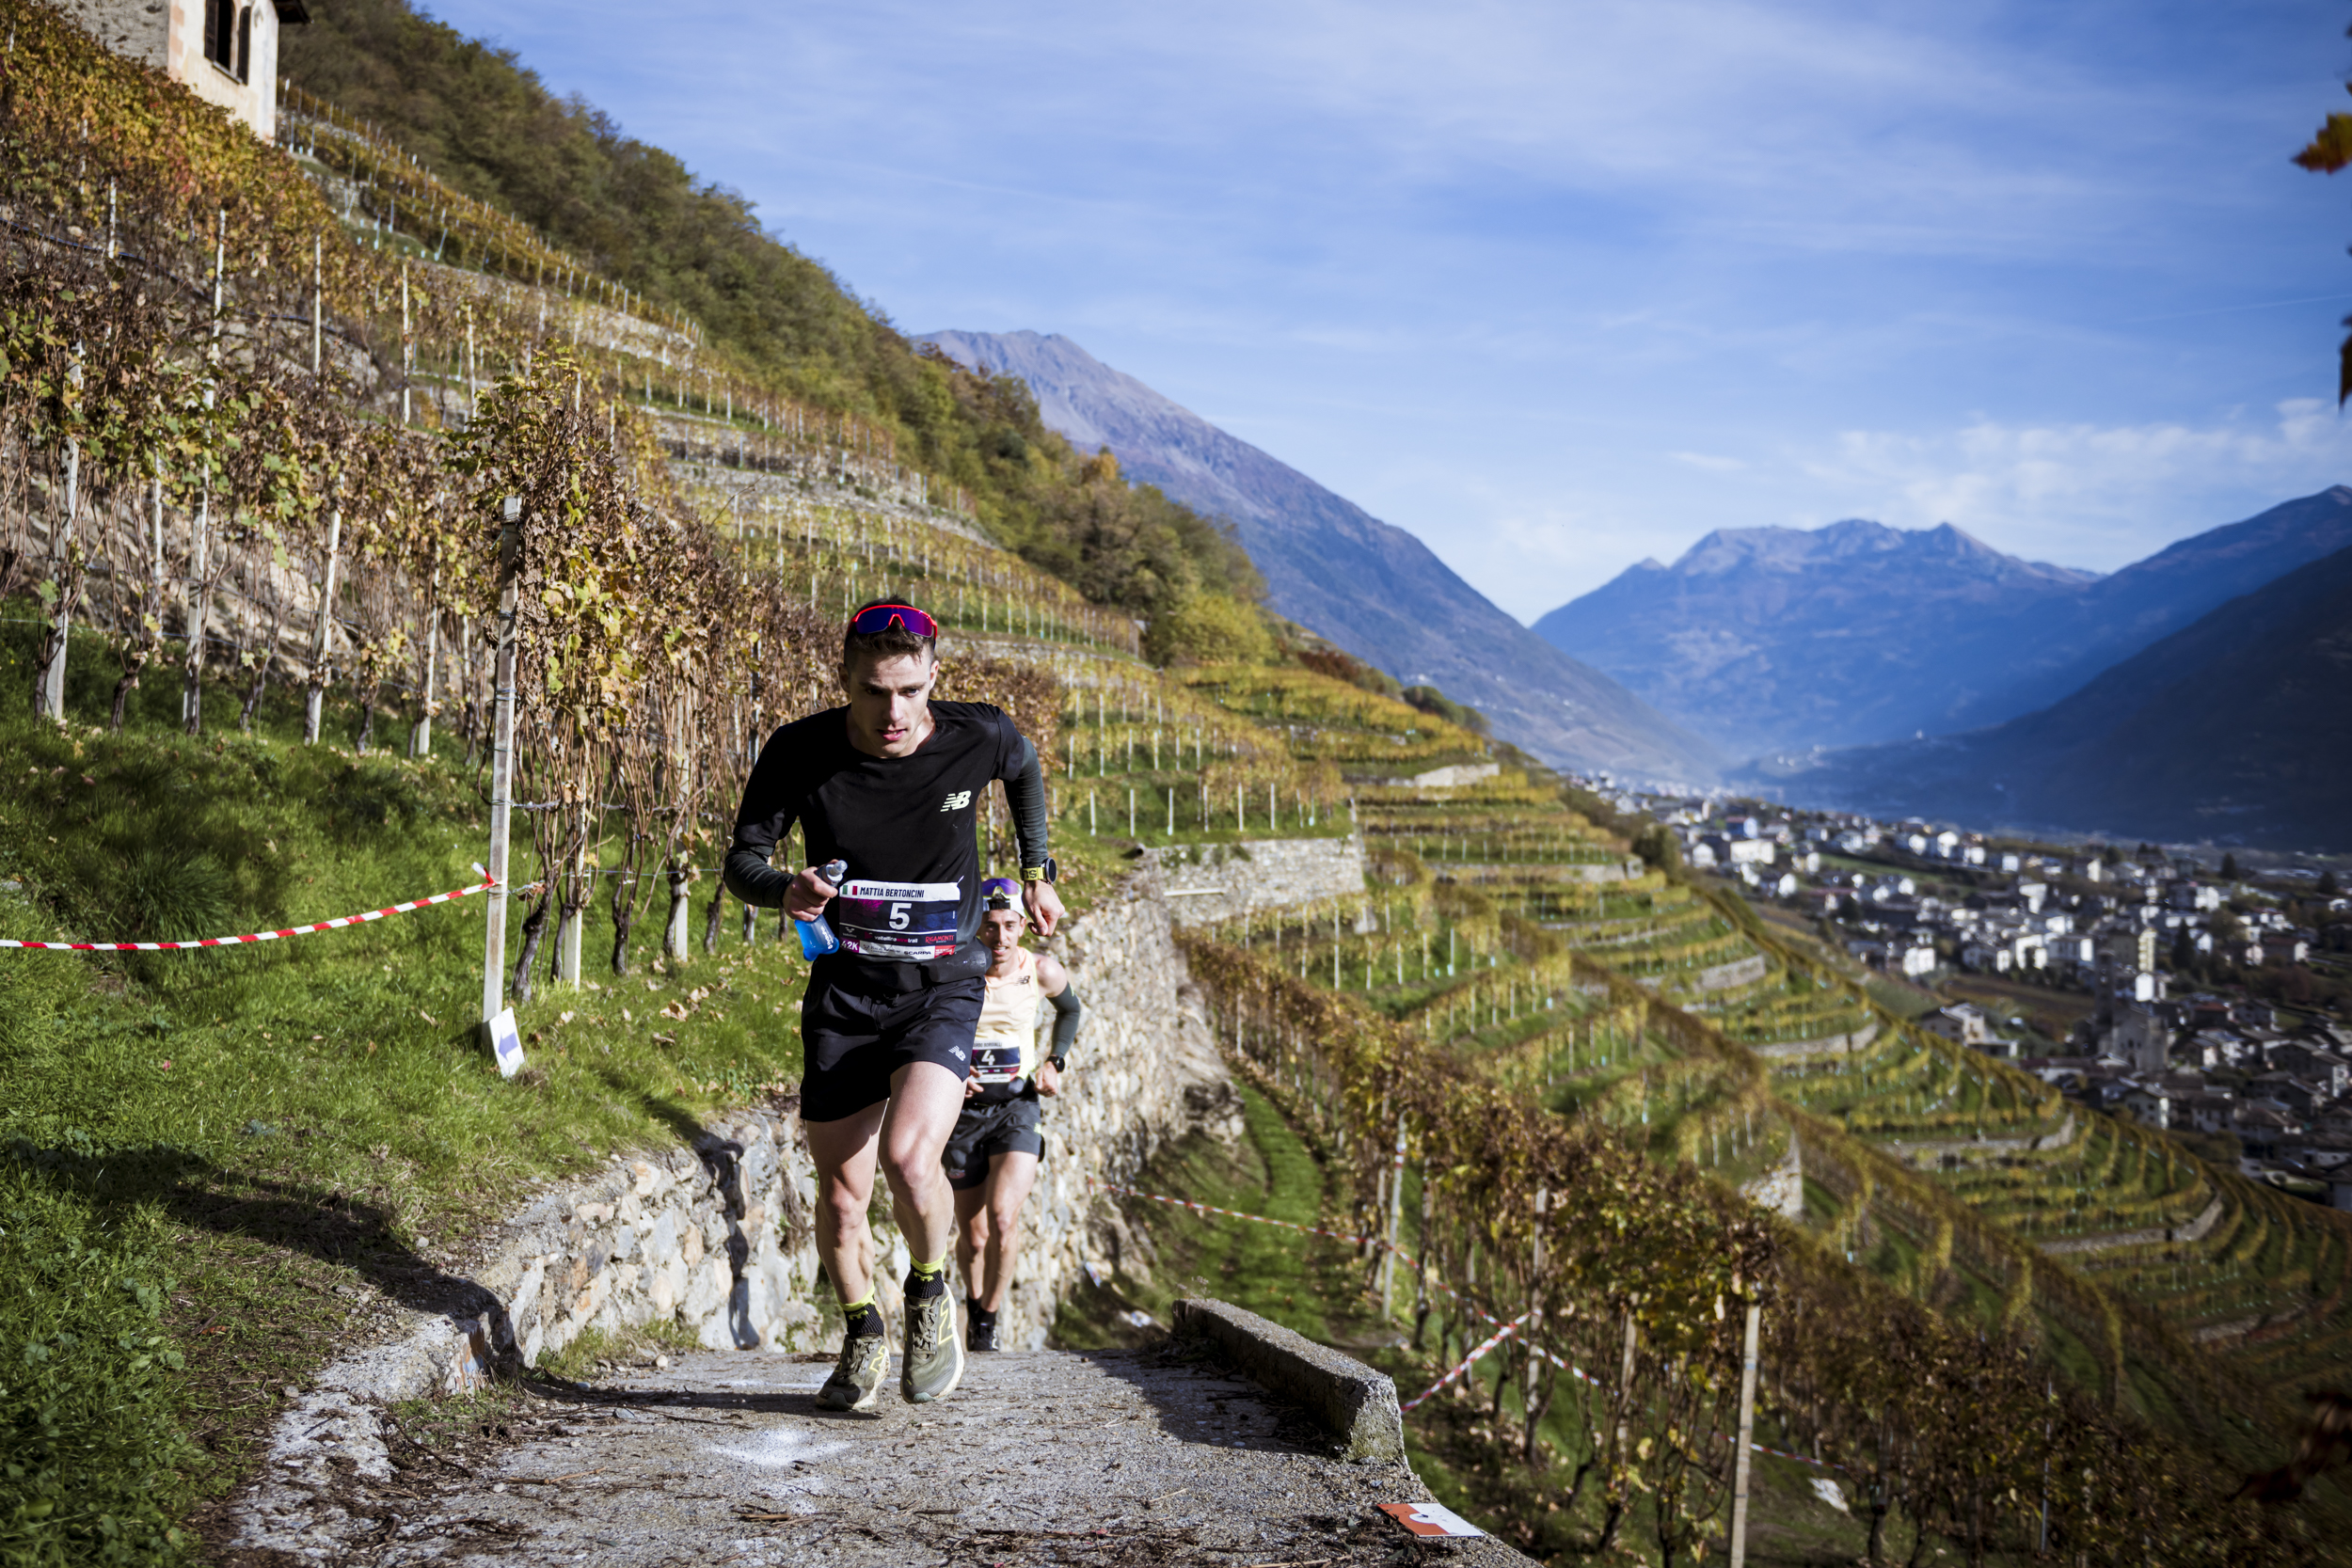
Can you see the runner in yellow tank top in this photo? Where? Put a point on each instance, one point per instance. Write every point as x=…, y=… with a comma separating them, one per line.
x=991, y=1158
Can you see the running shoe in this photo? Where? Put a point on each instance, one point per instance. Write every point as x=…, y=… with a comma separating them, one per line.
x=980, y=1336
x=933, y=1362
x=857, y=1378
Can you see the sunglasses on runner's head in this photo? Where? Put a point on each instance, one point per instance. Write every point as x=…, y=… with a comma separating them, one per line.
x=876, y=619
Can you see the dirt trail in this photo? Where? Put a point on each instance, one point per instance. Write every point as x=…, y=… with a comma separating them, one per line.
x=1114, y=1460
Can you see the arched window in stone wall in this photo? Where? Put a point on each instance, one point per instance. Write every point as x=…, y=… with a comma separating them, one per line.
x=229, y=37
x=220, y=33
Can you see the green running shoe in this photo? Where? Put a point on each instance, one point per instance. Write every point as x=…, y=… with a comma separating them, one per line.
x=857, y=1378
x=933, y=1362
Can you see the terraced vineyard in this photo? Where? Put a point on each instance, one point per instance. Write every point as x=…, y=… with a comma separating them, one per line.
x=1506, y=919
x=1509, y=923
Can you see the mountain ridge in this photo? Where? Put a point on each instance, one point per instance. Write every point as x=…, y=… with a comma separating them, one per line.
x=1777, y=639
x=2237, y=726
x=1366, y=585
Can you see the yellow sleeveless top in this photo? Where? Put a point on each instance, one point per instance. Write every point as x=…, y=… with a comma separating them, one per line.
x=1004, y=1046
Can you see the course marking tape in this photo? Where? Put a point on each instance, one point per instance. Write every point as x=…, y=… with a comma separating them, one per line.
x=1503, y=1332
x=1233, y=1213
x=336, y=925
x=1406, y=1257
x=1463, y=1365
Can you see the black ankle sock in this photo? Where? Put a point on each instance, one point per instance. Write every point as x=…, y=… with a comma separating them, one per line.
x=921, y=1289
x=980, y=1316
x=865, y=1321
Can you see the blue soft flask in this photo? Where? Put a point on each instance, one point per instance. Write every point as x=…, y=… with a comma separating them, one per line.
x=817, y=938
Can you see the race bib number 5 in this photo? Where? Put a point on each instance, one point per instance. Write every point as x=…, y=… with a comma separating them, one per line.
x=905, y=920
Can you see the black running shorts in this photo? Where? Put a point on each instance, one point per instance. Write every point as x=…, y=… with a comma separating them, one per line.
x=984, y=1132
x=856, y=1030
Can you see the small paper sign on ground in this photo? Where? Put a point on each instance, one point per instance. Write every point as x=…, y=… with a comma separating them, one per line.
x=1430, y=1519
x=505, y=1042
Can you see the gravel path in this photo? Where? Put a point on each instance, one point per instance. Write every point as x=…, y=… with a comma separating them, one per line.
x=1115, y=1460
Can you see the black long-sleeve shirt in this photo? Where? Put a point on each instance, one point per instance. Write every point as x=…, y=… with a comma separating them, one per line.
x=906, y=825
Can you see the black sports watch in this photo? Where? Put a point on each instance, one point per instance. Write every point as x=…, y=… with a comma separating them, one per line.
x=1049, y=872
x=1057, y=1064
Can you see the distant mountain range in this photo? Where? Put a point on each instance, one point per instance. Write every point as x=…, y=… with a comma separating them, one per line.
x=2238, y=727
x=1370, y=588
x=1778, y=641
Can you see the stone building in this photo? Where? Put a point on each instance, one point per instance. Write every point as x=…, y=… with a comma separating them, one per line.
x=224, y=51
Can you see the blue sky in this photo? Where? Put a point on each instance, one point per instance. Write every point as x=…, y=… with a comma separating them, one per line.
x=1559, y=286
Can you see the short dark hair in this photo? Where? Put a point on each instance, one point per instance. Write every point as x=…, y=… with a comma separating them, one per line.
x=889, y=642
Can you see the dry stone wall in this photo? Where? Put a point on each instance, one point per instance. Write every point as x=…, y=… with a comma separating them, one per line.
x=1827, y=1045
x=1208, y=883
x=714, y=1237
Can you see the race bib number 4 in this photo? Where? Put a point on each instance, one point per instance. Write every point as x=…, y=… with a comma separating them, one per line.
x=998, y=1062
x=909, y=921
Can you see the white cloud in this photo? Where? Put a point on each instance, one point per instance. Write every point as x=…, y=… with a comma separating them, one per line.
x=1709, y=462
x=2099, y=495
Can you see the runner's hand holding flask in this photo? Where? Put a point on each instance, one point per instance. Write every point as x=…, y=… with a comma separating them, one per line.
x=817, y=938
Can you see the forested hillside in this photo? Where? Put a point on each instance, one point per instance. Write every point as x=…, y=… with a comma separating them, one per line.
x=485, y=123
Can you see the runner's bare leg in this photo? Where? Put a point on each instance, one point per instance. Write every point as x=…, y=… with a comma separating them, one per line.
x=904, y=1135
x=925, y=1100
x=844, y=1154
x=988, y=1227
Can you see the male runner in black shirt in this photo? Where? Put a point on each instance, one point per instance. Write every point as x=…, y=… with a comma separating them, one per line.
x=891, y=782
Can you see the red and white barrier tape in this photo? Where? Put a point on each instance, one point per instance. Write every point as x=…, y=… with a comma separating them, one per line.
x=1463, y=1365
x=362, y=919
x=1233, y=1213
x=1505, y=1330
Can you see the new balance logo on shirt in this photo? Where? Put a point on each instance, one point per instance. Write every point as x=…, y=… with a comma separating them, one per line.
x=957, y=802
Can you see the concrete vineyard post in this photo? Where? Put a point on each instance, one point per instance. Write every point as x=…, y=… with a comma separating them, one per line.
x=199, y=528
x=318, y=302
x=1396, y=1219
x=408, y=351
x=502, y=763
x=315, y=699
x=51, y=693
x=420, y=739
x=1747, y=1434
x=571, y=918
x=673, y=940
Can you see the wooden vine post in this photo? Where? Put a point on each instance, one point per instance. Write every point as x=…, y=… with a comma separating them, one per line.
x=1747, y=1437
x=502, y=760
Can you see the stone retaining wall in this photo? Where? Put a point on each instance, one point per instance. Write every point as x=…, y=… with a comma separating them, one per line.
x=1781, y=1189
x=1739, y=972
x=1535, y=873
x=714, y=1237
x=2150, y=1236
x=1207, y=883
x=1828, y=1045
x=1925, y=1152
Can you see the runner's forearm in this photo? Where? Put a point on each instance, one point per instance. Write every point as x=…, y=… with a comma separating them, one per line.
x=762, y=823
x=1066, y=1011
x=1025, y=792
x=750, y=878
